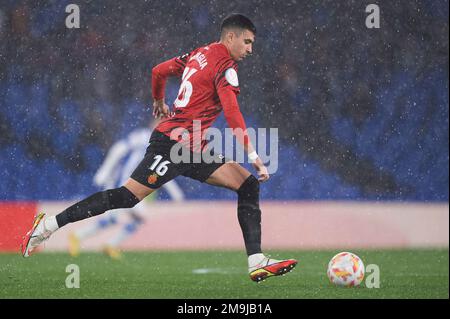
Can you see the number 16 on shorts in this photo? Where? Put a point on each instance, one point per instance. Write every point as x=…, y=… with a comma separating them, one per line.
x=159, y=167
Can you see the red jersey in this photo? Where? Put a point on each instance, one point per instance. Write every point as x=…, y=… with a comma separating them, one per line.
x=209, y=85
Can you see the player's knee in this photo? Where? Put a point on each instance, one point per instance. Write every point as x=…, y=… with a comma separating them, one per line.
x=120, y=198
x=137, y=189
x=249, y=190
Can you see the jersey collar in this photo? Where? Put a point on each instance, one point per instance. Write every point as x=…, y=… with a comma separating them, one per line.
x=222, y=47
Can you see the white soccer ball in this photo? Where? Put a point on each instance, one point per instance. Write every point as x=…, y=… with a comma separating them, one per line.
x=346, y=270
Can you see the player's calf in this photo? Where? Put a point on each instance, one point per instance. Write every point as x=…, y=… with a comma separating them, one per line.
x=98, y=204
x=249, y=214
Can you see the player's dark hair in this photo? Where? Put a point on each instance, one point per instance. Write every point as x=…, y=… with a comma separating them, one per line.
x=238, y=21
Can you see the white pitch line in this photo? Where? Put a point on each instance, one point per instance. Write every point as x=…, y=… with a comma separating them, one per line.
x=223, y=271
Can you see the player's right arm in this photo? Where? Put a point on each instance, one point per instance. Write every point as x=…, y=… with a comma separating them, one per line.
x=160, y=73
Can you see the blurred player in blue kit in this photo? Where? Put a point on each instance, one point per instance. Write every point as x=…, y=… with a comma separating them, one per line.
x=120, y=161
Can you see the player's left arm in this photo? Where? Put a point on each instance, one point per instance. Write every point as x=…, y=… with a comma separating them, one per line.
x=227, y=86
x=236, y=121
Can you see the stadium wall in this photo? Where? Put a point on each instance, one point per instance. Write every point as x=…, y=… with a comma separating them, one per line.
x=198, y=225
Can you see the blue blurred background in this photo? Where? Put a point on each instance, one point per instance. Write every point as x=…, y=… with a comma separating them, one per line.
x=362, y=113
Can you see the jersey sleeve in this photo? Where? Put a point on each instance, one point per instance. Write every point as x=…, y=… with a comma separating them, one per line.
x=160, y=73
x=233, y=115
x=181, y=62
x=227, y=86
x=226, y=76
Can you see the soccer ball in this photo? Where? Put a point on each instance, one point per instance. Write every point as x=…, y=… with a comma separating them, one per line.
x=346, y=269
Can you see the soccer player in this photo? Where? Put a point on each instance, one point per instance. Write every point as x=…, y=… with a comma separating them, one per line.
x=209, y=85
x=121, y=159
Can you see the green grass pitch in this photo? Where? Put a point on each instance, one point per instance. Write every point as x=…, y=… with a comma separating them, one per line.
x=207, y=274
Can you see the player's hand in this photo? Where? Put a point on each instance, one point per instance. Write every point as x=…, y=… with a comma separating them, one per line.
x=261, y=169
x=161, y=109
